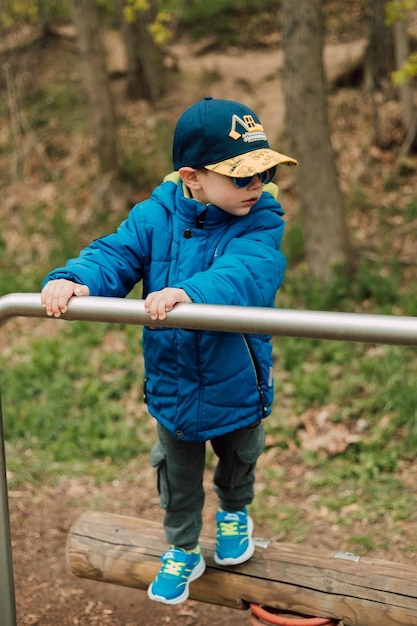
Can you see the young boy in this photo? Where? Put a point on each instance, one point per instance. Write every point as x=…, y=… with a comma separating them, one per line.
x=210, y=233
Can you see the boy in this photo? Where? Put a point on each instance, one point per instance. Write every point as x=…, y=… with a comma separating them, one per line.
x=210, y=233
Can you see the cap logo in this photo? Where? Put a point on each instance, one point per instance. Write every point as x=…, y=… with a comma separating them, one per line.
x=252, y=130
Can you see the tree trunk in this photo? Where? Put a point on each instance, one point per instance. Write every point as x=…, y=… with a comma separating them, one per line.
x=402, y=52
x=145, y=76
x=379, y=57
x=380, y=54
x=97, y=84
x=308, y=130
x=15, y=121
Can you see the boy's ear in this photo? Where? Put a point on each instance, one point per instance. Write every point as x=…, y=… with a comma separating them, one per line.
x=190, y=177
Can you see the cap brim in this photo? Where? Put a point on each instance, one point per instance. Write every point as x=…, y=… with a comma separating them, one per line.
x=251, y=163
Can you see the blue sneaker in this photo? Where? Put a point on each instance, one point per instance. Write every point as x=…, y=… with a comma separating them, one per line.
x=234, y=542
x=179, y=568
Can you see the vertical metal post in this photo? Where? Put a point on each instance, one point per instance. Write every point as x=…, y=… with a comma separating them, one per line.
x=7, y=596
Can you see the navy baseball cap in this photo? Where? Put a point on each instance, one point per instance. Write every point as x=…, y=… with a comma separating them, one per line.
x=226, y=137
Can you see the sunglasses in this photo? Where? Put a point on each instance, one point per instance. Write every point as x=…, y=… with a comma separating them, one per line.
x=265, y=177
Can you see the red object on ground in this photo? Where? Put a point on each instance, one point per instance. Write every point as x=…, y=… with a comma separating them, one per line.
x=281, y=620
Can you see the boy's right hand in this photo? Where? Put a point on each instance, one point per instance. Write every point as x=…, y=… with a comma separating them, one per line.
x=56, y=294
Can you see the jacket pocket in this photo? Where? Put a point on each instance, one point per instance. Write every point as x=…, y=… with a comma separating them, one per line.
x=258, y=376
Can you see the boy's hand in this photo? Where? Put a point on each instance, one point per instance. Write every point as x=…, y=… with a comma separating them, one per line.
x=159, y=303
x=56, y=294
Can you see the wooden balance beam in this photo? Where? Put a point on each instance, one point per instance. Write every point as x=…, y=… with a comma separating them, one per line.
x=357, y=591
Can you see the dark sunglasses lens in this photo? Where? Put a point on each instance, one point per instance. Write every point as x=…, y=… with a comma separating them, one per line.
x=264, y=177
x=268, y=175
x=243, y=182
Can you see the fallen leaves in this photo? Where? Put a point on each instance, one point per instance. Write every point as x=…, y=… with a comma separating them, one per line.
x=321, y=432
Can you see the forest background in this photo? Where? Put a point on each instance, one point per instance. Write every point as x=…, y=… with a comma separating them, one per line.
x=339, y=467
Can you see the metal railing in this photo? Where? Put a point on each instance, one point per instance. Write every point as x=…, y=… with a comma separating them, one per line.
x=385, y=329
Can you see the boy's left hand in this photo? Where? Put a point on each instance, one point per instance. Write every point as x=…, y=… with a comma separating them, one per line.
x=159, y=303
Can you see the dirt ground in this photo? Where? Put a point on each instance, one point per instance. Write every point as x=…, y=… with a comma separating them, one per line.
x=47, y=593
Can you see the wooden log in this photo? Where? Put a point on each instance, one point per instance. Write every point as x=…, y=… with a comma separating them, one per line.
x=360, y=592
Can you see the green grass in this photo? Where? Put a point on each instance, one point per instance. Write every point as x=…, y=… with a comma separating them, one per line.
x=75, y=397
x=72, y=404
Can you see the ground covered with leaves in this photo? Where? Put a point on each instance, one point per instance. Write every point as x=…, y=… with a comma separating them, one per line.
x=63, y=175
x=47, y=593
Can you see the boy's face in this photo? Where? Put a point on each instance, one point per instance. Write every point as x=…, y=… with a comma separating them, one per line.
x=212, y=188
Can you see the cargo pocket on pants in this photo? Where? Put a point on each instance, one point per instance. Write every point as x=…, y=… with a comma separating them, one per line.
x=248, y=454
x=159, y=462
x=235, y=471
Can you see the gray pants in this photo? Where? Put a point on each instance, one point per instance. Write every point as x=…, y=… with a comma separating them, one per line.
x=180, y=469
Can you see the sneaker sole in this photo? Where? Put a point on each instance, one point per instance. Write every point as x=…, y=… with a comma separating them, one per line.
x=196, y=573
x=245, y=556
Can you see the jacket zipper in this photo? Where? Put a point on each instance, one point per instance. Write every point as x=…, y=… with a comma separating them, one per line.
x=257, y=372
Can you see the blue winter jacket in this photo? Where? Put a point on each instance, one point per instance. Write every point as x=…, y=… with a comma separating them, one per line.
x=199, y=384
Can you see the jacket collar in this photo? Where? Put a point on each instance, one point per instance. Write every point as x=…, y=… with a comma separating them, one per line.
x=195, y=214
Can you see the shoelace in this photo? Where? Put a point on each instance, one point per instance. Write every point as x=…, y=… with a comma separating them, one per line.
x=229, y=529
x=173, y=567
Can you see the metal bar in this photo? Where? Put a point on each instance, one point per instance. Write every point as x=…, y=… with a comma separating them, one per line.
x=7, y=596
x=386, y=329
x=284, y=322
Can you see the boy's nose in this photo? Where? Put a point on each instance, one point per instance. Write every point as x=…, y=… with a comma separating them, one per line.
x=255, y=182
